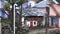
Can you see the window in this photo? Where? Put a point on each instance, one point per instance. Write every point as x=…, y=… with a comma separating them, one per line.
x=54, y=21
x=34, y=22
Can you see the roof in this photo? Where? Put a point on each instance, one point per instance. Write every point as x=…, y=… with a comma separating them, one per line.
x=41, y=4
x=32, y=12
x=25, y=5
x=53, y=1
x=52, y=12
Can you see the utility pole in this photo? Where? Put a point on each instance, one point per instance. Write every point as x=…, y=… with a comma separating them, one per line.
x=47, y=19
x=0, y=25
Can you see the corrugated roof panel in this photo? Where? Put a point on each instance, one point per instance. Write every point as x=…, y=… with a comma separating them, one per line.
x=41, y=4
x=32, y=12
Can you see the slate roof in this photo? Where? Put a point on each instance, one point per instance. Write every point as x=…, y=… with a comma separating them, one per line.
x=41, y=4
x=25, y=5
x=32, y=12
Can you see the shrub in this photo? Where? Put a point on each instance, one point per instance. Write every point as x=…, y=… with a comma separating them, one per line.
x=55, y=32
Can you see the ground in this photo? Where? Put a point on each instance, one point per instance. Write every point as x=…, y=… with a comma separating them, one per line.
x=41, y=30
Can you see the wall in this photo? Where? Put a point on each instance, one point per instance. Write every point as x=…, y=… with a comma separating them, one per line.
x=28, y=23
x=59, y=23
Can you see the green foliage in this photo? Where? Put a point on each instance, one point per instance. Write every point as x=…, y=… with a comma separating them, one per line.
x=38, y=1
x=41, y=33
x=5, y=20
x=55, y=32
x=8, y=1
x=21, y=32
x=6, y=6
x=20, y=2
x=58, y=1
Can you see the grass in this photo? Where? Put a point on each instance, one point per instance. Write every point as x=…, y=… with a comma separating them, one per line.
x=50, y=32
x=43, y=33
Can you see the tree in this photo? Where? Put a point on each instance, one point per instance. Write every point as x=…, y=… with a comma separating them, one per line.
x=12, y=2
x=58, y=1
x=20, y=2
x=6, y=8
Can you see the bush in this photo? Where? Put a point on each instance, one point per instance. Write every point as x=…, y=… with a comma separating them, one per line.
x=55, y=32
x=41, y=33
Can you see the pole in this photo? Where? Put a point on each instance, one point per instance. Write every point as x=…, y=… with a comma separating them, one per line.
x=0, y=25
x=47, y=19
x=14, y=19
x=14, y=16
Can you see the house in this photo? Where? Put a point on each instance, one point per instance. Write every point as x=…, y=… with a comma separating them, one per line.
x=54, y=21
x=32, y=16
x=53, y=11
x=35, y=15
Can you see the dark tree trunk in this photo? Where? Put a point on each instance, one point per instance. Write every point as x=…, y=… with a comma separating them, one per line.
x=21, y=16
x=11, y=15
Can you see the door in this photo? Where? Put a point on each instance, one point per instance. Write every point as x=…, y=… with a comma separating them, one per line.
x=31, y=24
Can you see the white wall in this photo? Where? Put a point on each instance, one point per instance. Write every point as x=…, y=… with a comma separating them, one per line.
x=23, y=21
x=43, y=22
x=59, y=23
x=28, y=23
x=34, y=24
x=32, y=3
